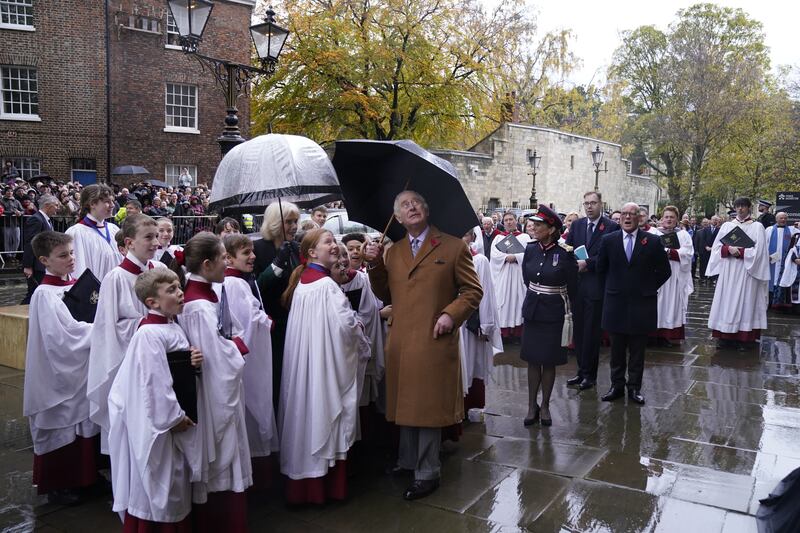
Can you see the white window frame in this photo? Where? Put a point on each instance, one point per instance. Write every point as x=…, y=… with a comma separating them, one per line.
x=18, y=116
x=170, y=28
x=180, y=129
x=28, y=167
x=17, y=3
x=172, y=172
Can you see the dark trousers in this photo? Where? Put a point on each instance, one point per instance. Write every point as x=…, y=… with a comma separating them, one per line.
x=621, y=346
x=33, y=282
x=587, y=317
x=704, y=257
x=694, y=266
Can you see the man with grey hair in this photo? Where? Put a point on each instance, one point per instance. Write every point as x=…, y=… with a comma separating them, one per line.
x=778, y=237
x=34, y=225
x=429, y=279
x=488, y=233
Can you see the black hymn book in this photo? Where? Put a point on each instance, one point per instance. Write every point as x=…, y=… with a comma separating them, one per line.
x=81, y=299
x=737, y=237
x=510, y=245
x=184, y=381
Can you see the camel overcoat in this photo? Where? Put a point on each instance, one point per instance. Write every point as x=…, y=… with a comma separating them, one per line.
x=423, y=374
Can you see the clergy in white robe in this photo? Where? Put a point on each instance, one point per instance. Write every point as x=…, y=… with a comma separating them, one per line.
x=673, y=296
x=778, y=238
x=370, y=371
x=54, y=397
x=150, y=463
x=790, y=280
x=118, y=314
x=221, y=410
x=262, y=432
x=508, y=286
x=478, y=348
x=739, y=309
x=318, y=411
x=95, y=247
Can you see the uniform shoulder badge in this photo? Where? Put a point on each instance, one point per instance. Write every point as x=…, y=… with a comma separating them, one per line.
x=565, y=246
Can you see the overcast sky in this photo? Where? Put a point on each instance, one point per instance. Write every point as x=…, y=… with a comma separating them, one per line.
x=597, y=26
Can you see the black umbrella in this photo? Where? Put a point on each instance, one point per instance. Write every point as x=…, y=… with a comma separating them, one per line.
x=780, y=512
x=129, y=170
x=372, y=173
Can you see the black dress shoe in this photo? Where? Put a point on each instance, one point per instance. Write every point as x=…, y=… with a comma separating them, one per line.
x=421, y=488
x=613, y=394
x=572, y=382
x=635, y=397
x=586, y=384
x=531, y=421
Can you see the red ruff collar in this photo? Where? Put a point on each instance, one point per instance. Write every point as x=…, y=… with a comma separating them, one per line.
x=197, y=290
x=150, y=318
x=235, y=273
x=56, y=281
x=310, y=275
x=132, y=267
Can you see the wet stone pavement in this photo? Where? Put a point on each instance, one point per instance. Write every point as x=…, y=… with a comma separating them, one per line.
x=719, y=429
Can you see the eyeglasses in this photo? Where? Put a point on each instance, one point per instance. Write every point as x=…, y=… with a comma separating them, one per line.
x=408, y=203
x=629, y=214
x=589, y=204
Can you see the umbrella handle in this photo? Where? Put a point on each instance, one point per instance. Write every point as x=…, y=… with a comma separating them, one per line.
x=383, y=235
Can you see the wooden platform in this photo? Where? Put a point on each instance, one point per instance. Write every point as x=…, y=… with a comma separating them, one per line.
x=14, y=332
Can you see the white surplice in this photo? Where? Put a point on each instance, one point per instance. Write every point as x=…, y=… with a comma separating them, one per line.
x=509, y=288
x=476, y=354
x=318, y=411
x=673, y=296
x=777, y=261
x=172, y=248
x=370, y=372
x=262, y=430
x=56, y=359
x=790, y=269
x=740, y=298
x=92, y=251
x=220, y=402
x=119, y=312
x=150, y=464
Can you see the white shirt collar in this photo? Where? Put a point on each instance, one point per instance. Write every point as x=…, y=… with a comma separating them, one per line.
x=422, y=236
x=197, y=277
x=595, y=221
x=632, y=233
x=48, y=273
x=47, y=218
x=133, y=259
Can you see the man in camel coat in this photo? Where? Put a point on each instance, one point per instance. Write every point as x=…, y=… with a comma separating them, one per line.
x=429, y=279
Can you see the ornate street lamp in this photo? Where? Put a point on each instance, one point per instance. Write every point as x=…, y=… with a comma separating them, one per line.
x=534, y=161
x=597, y=158
x=191, y=17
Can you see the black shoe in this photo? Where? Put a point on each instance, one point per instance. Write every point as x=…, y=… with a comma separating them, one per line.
x=531, y=421
x=395, y=470
x=613, y=394
x=421, y=488
x=586, y=384
x=547, y=422
x=572, y=382
x=635, y=397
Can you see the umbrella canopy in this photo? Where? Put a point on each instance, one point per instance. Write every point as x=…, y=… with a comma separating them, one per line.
x=157, y=183
x=257, y=172
x=129, y=170
x=372, y=173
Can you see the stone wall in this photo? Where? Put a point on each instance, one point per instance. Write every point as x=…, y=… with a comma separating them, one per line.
x=497, y=168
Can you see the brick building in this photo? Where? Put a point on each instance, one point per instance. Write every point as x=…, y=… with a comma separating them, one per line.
x=91, y=85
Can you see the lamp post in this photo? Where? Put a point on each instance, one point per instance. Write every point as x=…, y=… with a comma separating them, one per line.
x=533, y=161
x=597, y=158
x=191, y=17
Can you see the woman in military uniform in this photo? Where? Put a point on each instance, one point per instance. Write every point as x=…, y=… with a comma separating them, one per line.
x=550, y=273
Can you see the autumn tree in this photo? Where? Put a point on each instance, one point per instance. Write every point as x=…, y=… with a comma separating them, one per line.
x=428, y=70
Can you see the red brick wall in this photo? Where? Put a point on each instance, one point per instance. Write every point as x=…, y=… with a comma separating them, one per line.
x=141, y=66
x=68, y=51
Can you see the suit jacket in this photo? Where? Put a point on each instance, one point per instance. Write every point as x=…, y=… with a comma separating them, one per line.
x=423, y=374
x=34, y=225
x=706, y=238
x=590, y=285
x=631, y=288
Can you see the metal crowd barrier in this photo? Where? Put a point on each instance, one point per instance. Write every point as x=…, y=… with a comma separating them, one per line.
x=13, y=237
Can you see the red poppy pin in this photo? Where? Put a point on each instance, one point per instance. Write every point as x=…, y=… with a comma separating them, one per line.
x=602, y=227
x=434, y=242
x=644, y=241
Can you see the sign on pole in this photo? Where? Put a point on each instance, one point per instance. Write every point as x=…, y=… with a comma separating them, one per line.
x=788, y=202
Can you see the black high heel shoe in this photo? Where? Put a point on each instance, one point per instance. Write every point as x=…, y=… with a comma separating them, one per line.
x=531, y=421
x=547, y=422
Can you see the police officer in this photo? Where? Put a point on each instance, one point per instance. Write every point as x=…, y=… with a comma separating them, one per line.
x=550, y=273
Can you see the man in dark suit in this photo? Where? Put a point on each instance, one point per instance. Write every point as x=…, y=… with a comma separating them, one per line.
x=34, y=225
x=588, y=231
x=705, y=241
x=634, y=266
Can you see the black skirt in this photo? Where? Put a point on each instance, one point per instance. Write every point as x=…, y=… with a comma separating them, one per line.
x=541, y=343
